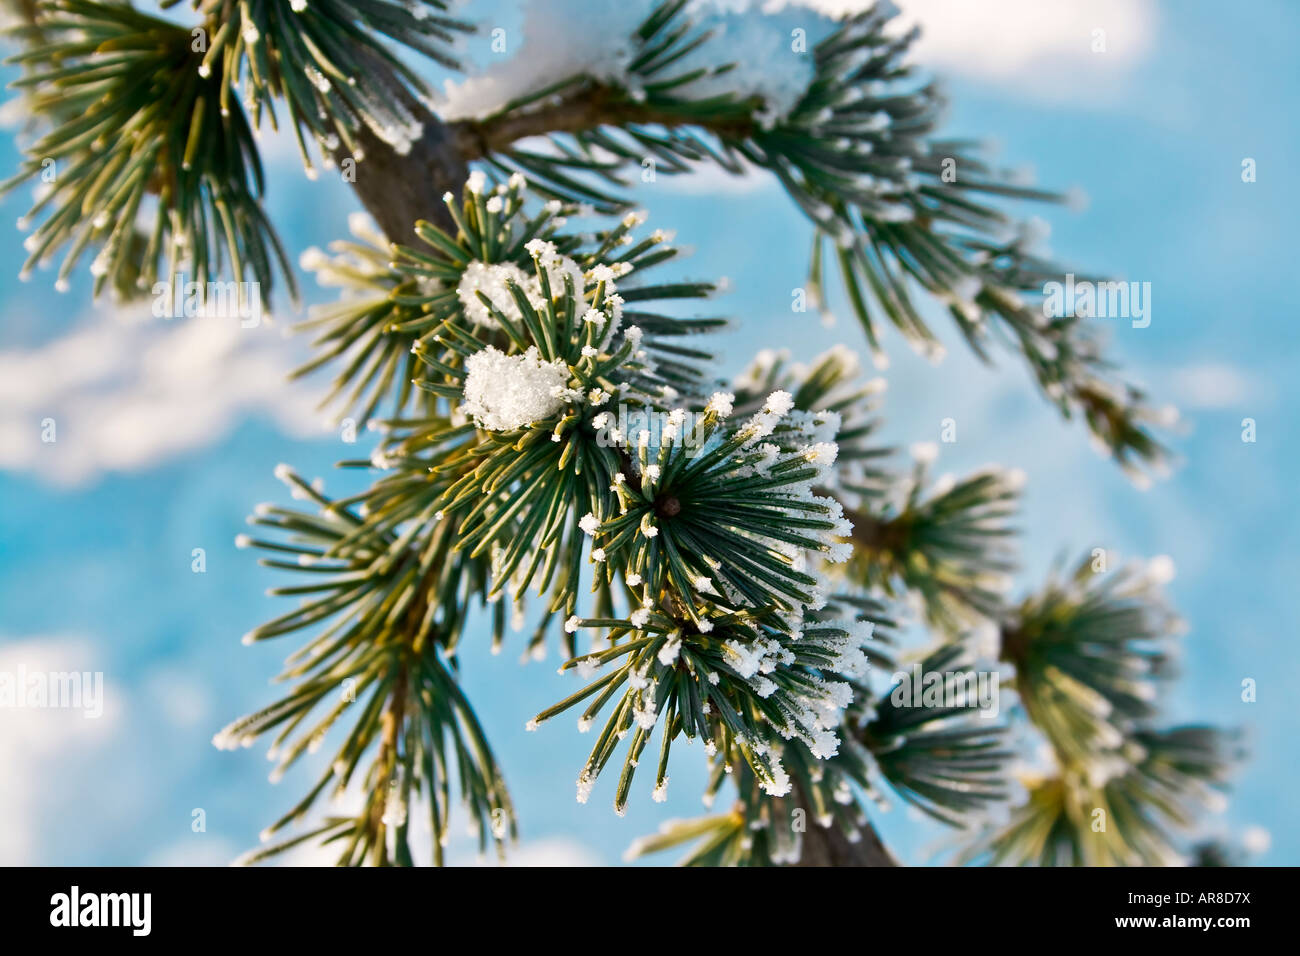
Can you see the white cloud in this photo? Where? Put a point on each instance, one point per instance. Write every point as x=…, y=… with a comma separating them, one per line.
x=36, y=741
x=1036, y=48
x=180, y=697
x=1212, y=385
x=126, y=391
x=1041, y=50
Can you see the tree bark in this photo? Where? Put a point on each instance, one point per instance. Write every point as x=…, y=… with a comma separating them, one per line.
x=397, y=190
x=830, y=847
x=591, y=106
x=400, y=189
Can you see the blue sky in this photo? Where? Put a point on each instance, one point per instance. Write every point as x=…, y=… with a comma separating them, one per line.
x=167, y=438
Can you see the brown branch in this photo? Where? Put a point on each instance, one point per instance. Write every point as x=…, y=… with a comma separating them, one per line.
x=26, y=10
x=590, y=107
x=828, y=846
x=877, y=535
x=392, y=722
x=400, y=189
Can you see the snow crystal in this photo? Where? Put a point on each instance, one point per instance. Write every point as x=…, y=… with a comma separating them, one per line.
x=504, y=392
x=557, y=267
x=491, y=281
x=721, y=404
x=745, y=658
x=823, y=455
x=550, y=50
x=757, y=44
x=645, y=715
x=766, y=65
x=639, y=678
x=779, y=403
x=839, y=552
x=668, y=653
x=780, y=783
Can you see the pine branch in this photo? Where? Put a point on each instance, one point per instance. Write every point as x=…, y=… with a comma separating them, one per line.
x=515, y=498
x=585, y=107
x=137, y=124
x=952, y=548
x=397, y=296
x=310, y=54
x=1091, y=652
x=740, y=682
x=947, y=760
x=389, y=635
x=858, y=154
x=1130, y=818
x=142, y=113
x=504, y=343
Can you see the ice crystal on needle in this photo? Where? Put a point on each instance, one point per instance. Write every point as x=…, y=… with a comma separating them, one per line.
x=768, y=465
x=785, y=681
